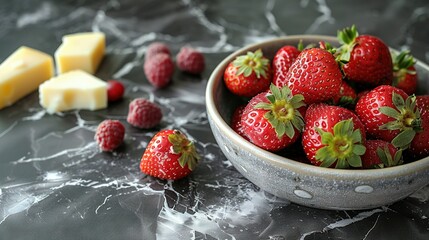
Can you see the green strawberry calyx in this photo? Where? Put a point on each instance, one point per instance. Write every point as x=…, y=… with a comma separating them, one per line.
x=406, y=117
x=343, y=146
x=347, y=38
x=181, y=145
x=328, y=47
x=252, y=62
x=387, y=159
x=301, y=46
x=345, y=101
x=282, y=111
x=403, y=60
x=401, y=64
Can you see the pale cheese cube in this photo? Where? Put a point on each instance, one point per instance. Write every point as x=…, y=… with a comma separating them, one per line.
x=73, y=90
x=22, y=73
x=80, y=51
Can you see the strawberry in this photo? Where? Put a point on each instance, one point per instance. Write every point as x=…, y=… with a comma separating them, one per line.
x=115, y=90
x=389, y=114
x=109, y=135
x=159, y=69
x=346, y=97
x=364, y=58
x=190, y=60
x=314, y=74
x=248, y=74
x=361, y=94
x=155, y=48
x=272, y=120
x=169, y=155
x=236, y=121
x=333, y=136
x=143, y=113
x=419, y=147
x=381, y=154
x=404, y=72
x=282, y=61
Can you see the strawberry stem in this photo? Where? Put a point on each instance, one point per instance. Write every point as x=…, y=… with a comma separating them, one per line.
x=403, y=60
x=387, y=159
x=252, y=62
x=283, y=114
x=343, y=146
x=181, y=145
x=300, y=45
x=406, y=118
x=347, y=38
x=328, y=47
x=401, y=64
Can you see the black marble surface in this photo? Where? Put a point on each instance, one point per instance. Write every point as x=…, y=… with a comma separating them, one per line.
x=56, y=184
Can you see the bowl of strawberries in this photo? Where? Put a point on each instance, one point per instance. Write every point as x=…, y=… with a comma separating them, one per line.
x=326, y=122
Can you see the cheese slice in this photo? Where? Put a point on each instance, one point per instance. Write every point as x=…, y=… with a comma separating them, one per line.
x=82, y=51
x=22, y=73
x=73, y=90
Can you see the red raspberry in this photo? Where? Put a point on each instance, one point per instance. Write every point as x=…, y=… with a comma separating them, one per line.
x=109, y=135
x=159, y=69
x=115, y=90
x=144, y=113
x=190, y=60
x=155, y=48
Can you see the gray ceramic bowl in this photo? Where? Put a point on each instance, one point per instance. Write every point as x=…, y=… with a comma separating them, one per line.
x=299, y=182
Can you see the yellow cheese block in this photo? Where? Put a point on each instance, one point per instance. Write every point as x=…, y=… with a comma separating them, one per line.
x=22, y=73
x=82, y=51
x=73, y=90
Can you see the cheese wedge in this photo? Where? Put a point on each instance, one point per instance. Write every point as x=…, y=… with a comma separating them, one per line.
x=82, y=51
x=73, y=90
x=22, y=73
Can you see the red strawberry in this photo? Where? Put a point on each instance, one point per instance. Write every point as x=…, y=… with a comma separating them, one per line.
x=155, y=48
x=404, y=72
x=248, y=74
x=236, y=121
x=272, y=120
x=190, y=60
x=333, y=136
x=282, y=61
x=361, y=94
x=115, y=90
x=346, y=97
x=380, y=154
x=365, y=58
x=419, y=147
x=159, y=69
x=390, y=115
x=169, y=155
x=314, y=74
x=109, y=135
x=143, y=113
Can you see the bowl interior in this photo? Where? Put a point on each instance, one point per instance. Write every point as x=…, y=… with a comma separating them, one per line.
x=221, y=104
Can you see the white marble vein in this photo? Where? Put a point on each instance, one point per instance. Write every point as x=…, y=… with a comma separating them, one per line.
x=43, y=12
x=272, y=19
x=326, y=16
x=216, y=202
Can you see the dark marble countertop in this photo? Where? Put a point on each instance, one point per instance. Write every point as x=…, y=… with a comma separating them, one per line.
x=56, y=184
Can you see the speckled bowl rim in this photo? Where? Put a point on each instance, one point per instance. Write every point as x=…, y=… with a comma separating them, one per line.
x=282, y=162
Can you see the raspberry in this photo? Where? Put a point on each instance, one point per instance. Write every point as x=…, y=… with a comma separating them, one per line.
x=109, y=135
x=143, y=113
x=115, y=90
x=155, y=48
x=190, y=60
x=159, y=69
